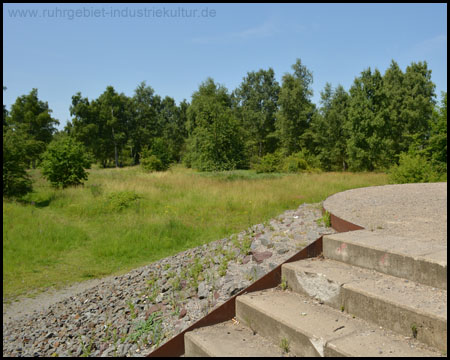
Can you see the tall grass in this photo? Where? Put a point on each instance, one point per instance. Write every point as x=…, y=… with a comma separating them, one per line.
x=124, y=218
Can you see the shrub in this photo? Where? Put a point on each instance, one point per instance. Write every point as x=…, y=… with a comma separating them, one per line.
x=120, y=200
x=412, y=168
x=64, y=162
x=157, y=157
x=295, y=163
x=267, y=164
x=151, y=163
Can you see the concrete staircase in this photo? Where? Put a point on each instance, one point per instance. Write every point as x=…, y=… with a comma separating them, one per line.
x=368, y=295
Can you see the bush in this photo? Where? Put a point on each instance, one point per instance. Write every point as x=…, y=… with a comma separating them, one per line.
x=64, y=162
x=157, y=157
x=269, y=163
x=152, y=163
x=120, y=200
x=278, y=162
x=413, y=168
x=295, y=163
x=16, y=181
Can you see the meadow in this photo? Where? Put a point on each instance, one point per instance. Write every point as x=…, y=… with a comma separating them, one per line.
x=124, y=218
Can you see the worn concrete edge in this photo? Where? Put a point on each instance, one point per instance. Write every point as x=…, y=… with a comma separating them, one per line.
x=175, y=346
x=418, y=256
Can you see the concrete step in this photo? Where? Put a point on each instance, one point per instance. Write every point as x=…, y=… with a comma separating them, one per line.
x=229, y=339
x=406, y=307
x=405, y=257
x=313, y=329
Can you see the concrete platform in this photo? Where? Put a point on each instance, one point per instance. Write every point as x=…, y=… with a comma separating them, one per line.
x=416, y=211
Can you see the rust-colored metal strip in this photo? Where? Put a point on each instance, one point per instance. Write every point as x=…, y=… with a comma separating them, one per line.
x=341, y=225
x=226, y=311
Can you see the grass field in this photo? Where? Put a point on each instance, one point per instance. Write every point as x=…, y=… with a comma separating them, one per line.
x=124, y=218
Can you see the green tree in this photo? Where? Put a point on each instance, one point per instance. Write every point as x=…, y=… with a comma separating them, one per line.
x=436, y=149
x=115, y=115
x=419, y=103
x=102, y=124
x=326, y=138
x=144, y=122
x=395, y=105
x=369, y=144
x=64, y=162
x=257, y=99
x=33, y=117
x=214, y=140
x=16, y=181
x=296, y=108
x=173, y=127
x=5, y=111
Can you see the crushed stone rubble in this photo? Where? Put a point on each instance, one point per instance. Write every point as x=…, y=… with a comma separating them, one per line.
x=141, y=310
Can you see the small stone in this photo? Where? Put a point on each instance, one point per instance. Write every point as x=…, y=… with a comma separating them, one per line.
x=259, y=257
x=282, y=251
x=183, y=313
x=159, y=298
x=152, y=309
x=203, y=290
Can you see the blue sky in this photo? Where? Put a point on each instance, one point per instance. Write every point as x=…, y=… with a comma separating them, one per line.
x=66, y=48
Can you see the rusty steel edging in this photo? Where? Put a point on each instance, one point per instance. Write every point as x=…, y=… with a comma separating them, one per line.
x=175, y=346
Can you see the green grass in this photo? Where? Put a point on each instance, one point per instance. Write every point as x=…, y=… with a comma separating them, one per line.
x=124, y=218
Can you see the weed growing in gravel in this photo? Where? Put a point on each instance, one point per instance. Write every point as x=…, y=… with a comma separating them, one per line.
x=324, y=220
x=223, y=267
x=87, y=349
x=243, y=245
x=132, y=309
x=107, y=334
x=194, y=271
x=152, y=326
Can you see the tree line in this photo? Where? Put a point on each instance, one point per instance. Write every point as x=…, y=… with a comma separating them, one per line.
x=262, y=124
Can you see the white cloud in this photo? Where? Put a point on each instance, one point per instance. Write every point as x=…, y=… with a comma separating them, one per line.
x=267, y=29
x=429, y=46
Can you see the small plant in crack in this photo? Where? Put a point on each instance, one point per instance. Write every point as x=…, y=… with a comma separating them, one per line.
x=249, y=324
x=414, y=330
x=284, y=345
x=283, y=283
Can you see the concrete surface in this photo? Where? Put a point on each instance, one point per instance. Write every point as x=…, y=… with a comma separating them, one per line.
x=228, y=339
x=313, y=329
x=381, y=299
x=405, y=257
x=417, y=211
